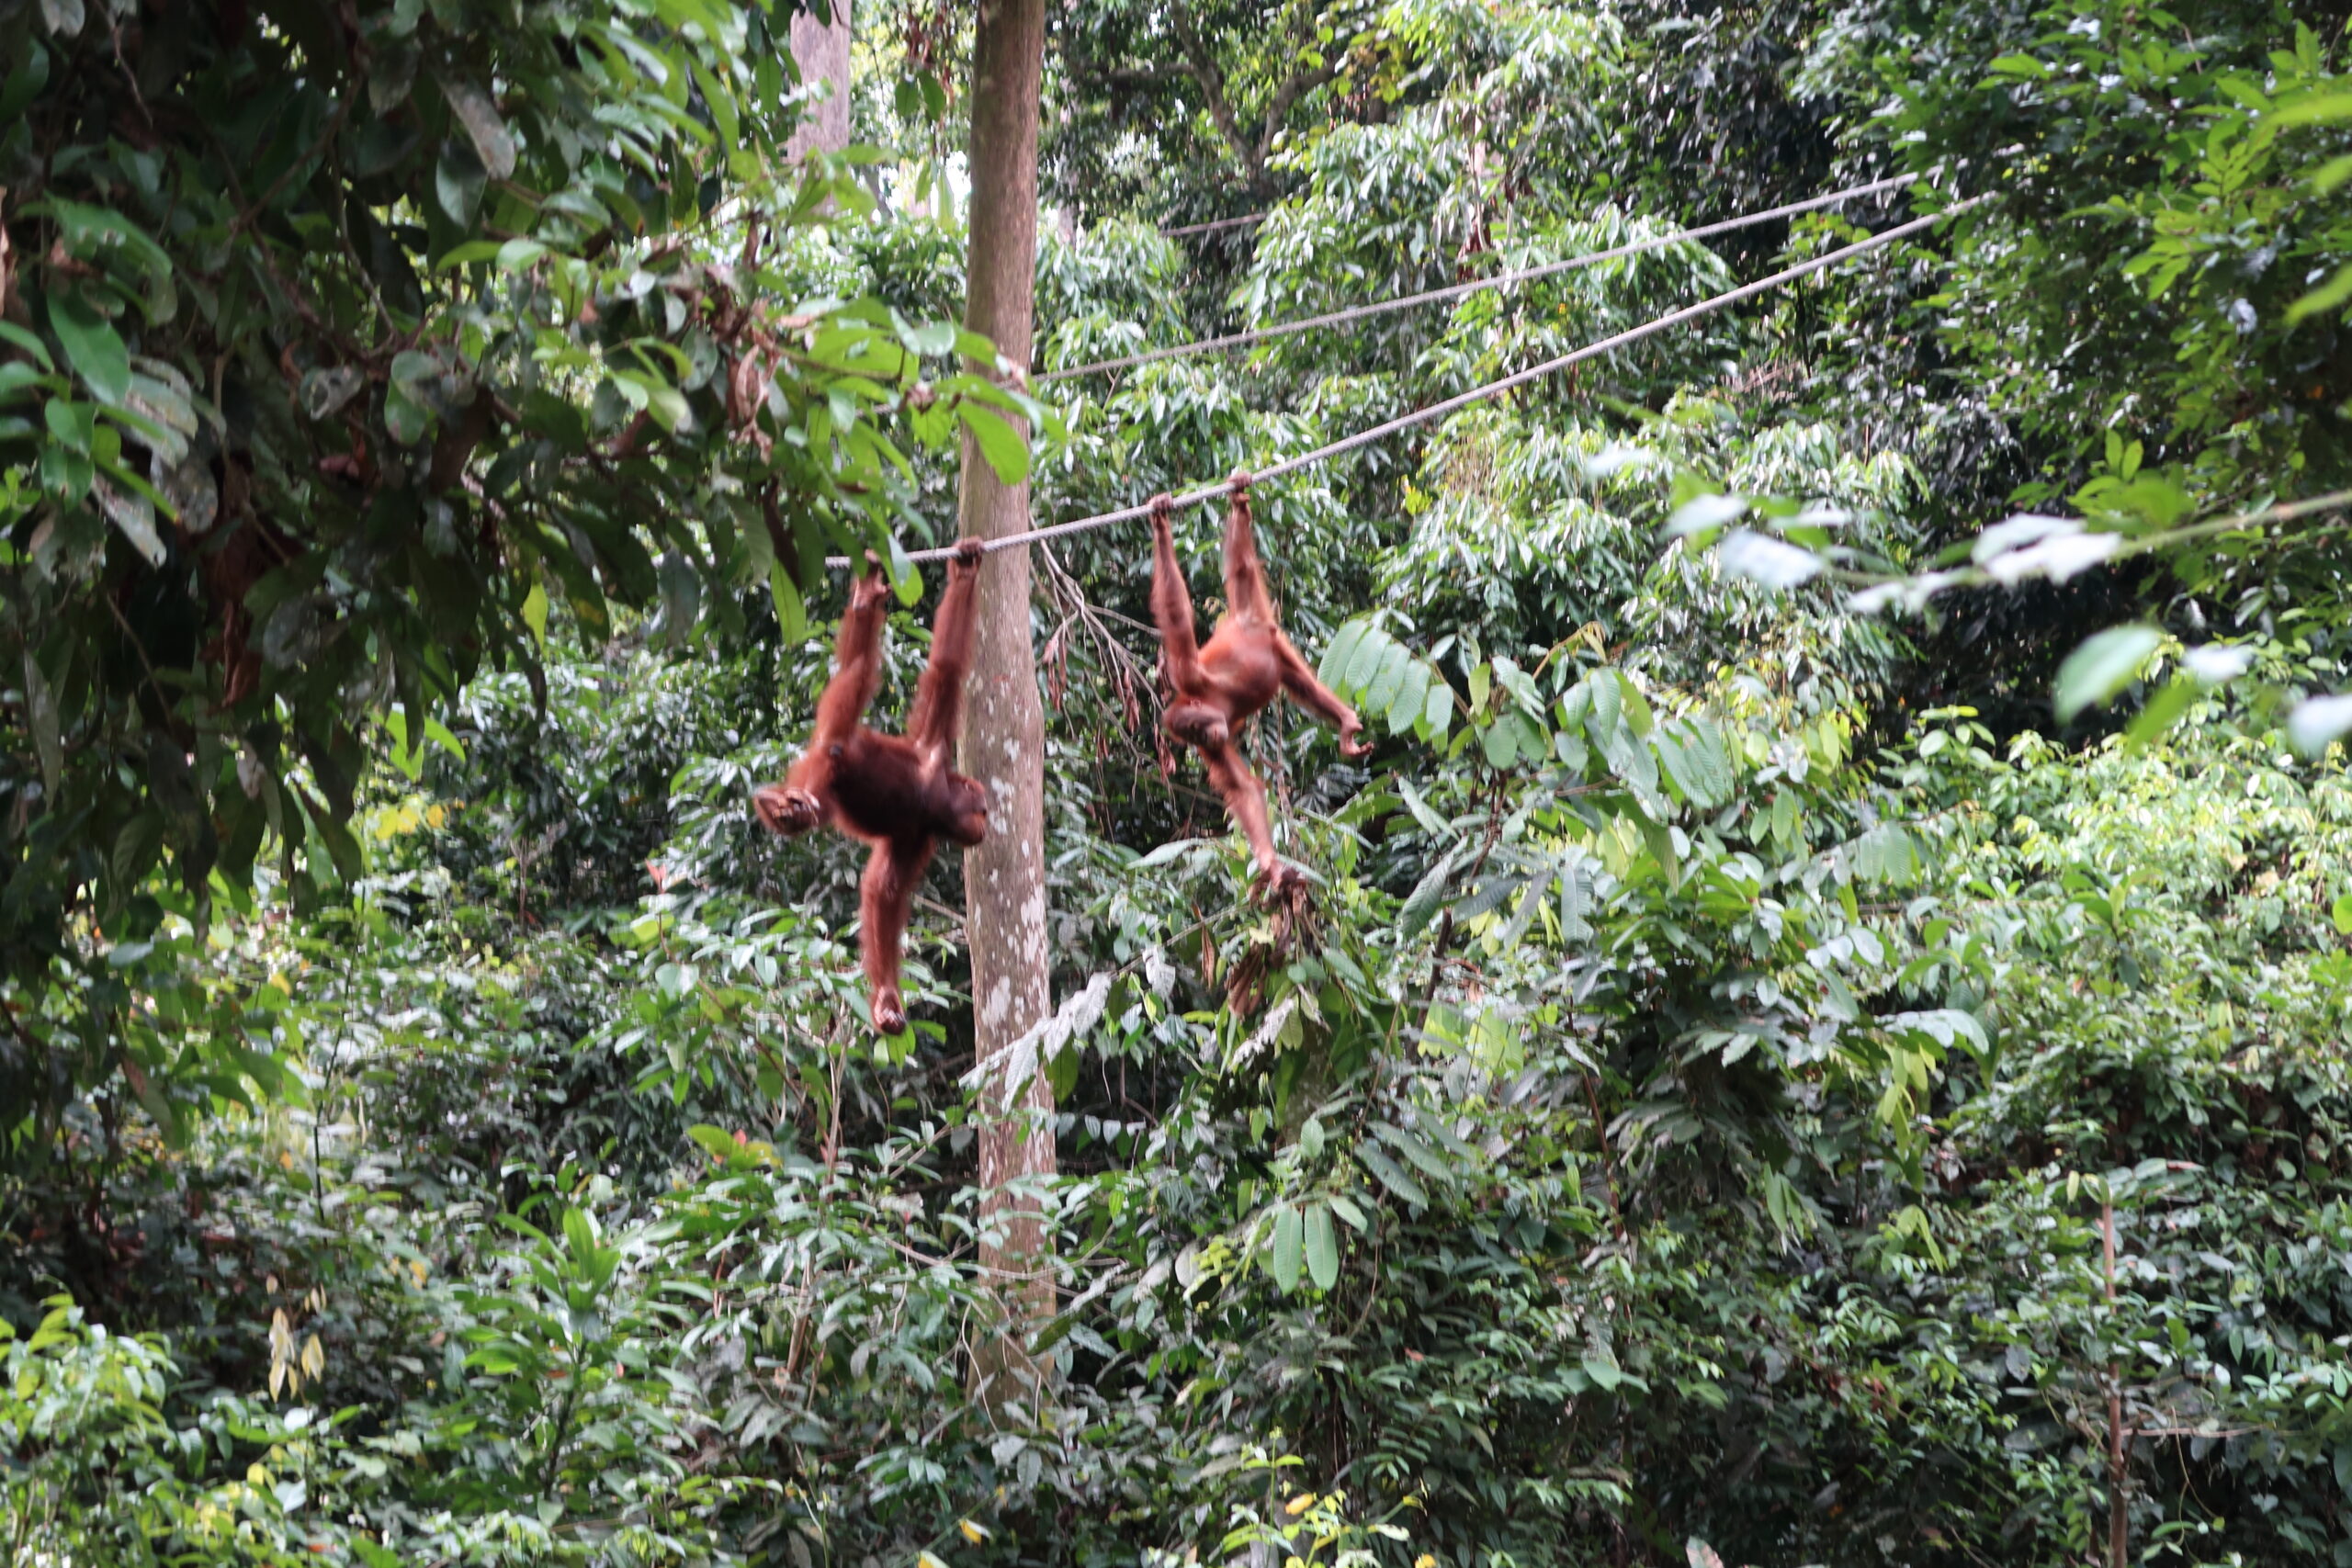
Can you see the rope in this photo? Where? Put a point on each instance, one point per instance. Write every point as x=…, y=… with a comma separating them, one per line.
x=1245, y=218
x=1478, y=394
x=1457, y=290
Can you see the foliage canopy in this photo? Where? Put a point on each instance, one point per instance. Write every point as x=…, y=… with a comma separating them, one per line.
x=1820, y=1033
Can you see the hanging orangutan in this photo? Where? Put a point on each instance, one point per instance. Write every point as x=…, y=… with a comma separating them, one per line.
x=1246, y=662
x=895, y=792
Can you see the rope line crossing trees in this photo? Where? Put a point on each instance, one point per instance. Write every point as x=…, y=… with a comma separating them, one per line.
x=1218, y=226
x=1437, y=411
x=1476, y=286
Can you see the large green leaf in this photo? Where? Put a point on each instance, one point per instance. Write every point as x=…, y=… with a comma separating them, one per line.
x=1421, y=905
x=1392, y=1176
x=93, y=347
x=1322, y=1247
x=1289, y=1232
x=999, y=443
x=2101, y=667
x=493, y=143
x=1338, y=651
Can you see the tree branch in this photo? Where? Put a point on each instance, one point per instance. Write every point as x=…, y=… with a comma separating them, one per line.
x=1201, y=65
x=1286, y=97
x=1147, y=75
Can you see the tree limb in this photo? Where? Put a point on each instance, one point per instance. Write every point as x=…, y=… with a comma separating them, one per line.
x=1285, y=96
x=1201, y=65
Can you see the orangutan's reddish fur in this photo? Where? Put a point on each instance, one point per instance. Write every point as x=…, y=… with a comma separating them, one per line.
x=895, y=792
x=1244, y=664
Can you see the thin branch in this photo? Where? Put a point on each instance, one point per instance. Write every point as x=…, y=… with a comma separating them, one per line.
x=1200, y=64
x=1285, y=96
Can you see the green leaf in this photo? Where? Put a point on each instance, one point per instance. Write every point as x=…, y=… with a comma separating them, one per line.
x=493, y=143
x=1322, y=1248
x=681, y=596
x=41, y=708
x=2162, y=711
x=1366, y=661
x=1574, y=926
x=471, y=251
x=791, y=614
x=1704, y=517
x=535, y=613
x=2323, y=109
x=1488, y=897
x=457, y=183
x=1389, y=682
x=2341, y=913
x=1710, y=760
x=410, y=763
x=2101, y=667
x=998, y=442
x=1405, y=710
x=931, y=340
x=10, y=332
x=1677, y=767
x=1636, y=707
x=24, y=84
x=1413, y=1150
x=1392, y=1176
x=1437, y=719
x=95, y=349
x=1342, y=648
x=1886, y=854
x=1500, y=740
x=1608, y=705
x=2329, y=296
x=721, y=103
x=1421, y=905
x=1289, y=1227
x=97, y=234
x=134, y=516
x=1532, y=899
x=715, y=1141
x=135, y=848
x=2315, y=723
x=579, y=1237
x=405, y=419
x=1775, y=563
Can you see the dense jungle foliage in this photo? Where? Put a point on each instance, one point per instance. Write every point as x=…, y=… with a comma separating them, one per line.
x=1821, y=1033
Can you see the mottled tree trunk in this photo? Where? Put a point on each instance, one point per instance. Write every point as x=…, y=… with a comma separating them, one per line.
x=1004, y=729
x=821, y=51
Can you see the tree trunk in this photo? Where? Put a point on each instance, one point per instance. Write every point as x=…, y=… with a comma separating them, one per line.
x=1004, y=731
x=821, y=50
x=2119, y=1473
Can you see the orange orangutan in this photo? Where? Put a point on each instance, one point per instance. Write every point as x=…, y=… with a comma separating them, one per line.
x=1244, y=665
x=895, y=792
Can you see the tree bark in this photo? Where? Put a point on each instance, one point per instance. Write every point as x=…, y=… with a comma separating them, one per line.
x=1003, y=743
x=2119, y=1473
x=821, y=50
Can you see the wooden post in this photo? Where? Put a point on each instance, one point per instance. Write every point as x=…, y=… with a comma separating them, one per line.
x=1004, y=745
